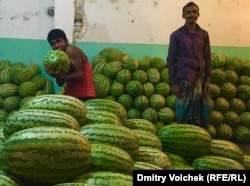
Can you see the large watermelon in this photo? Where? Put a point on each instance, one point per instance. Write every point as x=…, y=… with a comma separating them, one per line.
x=57, y=60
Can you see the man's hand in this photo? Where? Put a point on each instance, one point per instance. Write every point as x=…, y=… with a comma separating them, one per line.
x=177, y=90
x=206, y=89
x=52, y=72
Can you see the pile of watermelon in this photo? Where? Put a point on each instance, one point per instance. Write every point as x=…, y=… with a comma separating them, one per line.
x=141, y=85
x=58, y=140
x=19, y=83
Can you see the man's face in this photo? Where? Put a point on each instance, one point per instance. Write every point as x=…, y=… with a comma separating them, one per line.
x=191, y=14
x=59, y=44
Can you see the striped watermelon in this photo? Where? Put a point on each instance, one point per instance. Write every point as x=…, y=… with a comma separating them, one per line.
x=185, y=139
x=140, y=165
x=57, y=60
x=8, y=89
x=64, y=103
x=153, y=156
x=116, y=135
x=105, y=178
x=107, y=105
x=102, y=116
x=141, y=124
x=58, y=154
x=112, y=68
x=27, y=88
x=145, y=63
x=9, y=180
x=11, y=103
x=105, y=157
x=216, y=163
x=147, y=139
x=27, y=118
x=154, y=75
x=126, y=100
x=225, y=148
x=102, y=85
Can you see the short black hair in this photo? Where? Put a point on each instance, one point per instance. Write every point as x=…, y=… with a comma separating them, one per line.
x=55, y=34
x=191, y=3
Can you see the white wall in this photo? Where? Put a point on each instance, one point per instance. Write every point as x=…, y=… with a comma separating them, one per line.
x=126, y=21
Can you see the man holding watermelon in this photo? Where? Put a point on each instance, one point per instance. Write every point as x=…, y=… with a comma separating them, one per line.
x=189, y=65
x=78, y=80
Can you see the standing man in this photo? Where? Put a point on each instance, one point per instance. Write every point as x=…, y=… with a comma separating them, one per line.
x=189, y=65
x=79, y=80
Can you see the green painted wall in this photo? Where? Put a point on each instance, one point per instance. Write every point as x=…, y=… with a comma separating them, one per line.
x=32, y=51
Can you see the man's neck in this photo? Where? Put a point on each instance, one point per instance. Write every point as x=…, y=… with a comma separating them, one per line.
x=191, y=27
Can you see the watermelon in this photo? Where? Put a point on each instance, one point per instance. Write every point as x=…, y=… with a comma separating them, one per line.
x=117, y=89
x=140, y=75
x=116, y=135
x=242, y=92
x=27, y=118
x=58, y=154
x=106, y=157
x=148, y=139
x=245, y=119
x=231, y=77
x=123, y=76
x=131, y=64
x=218, y=60
x=9, y=180
x=237, y=105
x=64, y=103
x=163, y=89
x=210, y=162
x=233, y=63
x=225, y=148
x=218, y=76
x=176, y=159
x=148, y=89
x=166, y=115
x=107, y=105
x=171, y=101
x=140, y=165
x=214, y=90
x=185, y=139
x=102, y=85
x=134, y=88
x=112, y=54
x=243, y=80
x=145, y=63
x=141, y=102
x=228, y=90
x=57, y=60
x=154, y=75
x=153, y=156
x=140, y=124
x=216, y=118
x=102, y=116
x=224, y=131
x=112, y=68
x=105, y=178
x=126, y=100
x=158, y=63
x=134, y=113
x=221, y=104
x=27, y=88
x=150, y=114
x=231, y=118
x=241, y=134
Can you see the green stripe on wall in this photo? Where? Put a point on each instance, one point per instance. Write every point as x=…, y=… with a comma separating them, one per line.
x=32, y=51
